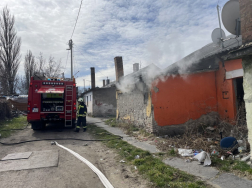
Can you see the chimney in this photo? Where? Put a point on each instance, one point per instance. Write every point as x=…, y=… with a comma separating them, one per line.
x=103, y=81
x=135, y=67
x=118, y=67
x=246, y=20
x=92, y=77
x=108, y=82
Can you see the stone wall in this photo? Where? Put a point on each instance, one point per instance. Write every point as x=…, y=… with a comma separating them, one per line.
x=247, y=85
x=104, y=103
x=135, y=107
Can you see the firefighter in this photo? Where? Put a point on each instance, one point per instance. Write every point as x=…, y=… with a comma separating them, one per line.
x=81, y=114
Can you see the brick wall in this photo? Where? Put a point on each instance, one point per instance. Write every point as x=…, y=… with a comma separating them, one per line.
x=246, y=20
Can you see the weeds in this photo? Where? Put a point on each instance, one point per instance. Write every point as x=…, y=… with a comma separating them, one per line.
x=228, y=165
x=111, y=122
x=172, y=152
x=15, y=123
x=127, y=127
x=150, y=166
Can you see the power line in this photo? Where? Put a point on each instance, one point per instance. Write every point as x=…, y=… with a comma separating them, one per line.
x=77, y=19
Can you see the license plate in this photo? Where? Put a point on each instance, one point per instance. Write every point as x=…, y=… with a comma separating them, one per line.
x=35, y=110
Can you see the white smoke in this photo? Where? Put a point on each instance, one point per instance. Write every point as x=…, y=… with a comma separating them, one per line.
x=141, y=79
x=152, y=74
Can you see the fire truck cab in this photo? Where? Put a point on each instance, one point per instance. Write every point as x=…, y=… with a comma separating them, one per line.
x=51, y=100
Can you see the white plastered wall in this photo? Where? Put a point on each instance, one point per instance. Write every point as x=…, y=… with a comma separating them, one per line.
x=247, y=85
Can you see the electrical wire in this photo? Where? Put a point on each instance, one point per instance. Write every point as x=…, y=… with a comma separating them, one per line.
x=76, y=19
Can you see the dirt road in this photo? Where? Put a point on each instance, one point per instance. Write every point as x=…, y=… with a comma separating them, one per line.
x=69, y=171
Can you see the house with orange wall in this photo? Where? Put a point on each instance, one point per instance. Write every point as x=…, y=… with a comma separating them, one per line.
x=198, y=84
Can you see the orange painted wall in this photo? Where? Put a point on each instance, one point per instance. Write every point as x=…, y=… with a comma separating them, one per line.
x=233, y=64
x=225, y=90
x=179, y=99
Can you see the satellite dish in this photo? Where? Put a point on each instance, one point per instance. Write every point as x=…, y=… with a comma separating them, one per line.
x=231, y=17
x=217, y=35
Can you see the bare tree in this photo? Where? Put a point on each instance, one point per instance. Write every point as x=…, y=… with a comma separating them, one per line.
x=41, y=62
x=50, y=68
x=30, y=68
x=10, y=53
x=21, y=85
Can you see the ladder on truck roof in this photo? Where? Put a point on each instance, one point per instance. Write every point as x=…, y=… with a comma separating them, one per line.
x=69, y=106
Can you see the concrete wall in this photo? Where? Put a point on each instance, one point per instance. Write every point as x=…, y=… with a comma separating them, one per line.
x=247, y=85
x=104, y=103
x=135, y=107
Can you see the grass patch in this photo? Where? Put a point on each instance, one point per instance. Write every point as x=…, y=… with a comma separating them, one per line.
x=127, y=127
x=150, y=166
x=111, y=122
x=228, y=165
x=172, y=152
x=15, y=123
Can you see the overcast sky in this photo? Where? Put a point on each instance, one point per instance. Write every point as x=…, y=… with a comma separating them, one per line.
x=147, y=31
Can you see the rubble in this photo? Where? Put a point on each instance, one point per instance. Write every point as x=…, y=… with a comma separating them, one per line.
x=203, y=157
x=201, y=135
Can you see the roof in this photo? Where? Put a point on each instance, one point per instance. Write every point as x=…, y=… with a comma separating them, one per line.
x=205, y=58
x=111, y=84
x=145, y=75
x=146, y=72
x=98, y=88
x=242, y=51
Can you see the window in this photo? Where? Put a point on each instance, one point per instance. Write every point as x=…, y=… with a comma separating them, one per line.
x=87, y=100
x=90, y=97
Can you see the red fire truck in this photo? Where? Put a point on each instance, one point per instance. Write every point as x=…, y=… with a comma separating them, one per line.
x=51, y=100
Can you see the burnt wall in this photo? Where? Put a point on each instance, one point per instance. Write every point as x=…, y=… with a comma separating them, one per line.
x=104, y=103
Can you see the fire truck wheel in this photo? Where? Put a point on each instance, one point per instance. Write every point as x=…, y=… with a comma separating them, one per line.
x=38, y=125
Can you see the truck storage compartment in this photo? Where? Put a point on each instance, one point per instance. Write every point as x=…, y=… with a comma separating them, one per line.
x=52, y=102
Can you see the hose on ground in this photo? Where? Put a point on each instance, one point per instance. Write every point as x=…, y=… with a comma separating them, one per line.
x=103, y=179
x=50, y=139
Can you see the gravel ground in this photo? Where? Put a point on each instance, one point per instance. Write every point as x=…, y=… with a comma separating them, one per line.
x=70, y=172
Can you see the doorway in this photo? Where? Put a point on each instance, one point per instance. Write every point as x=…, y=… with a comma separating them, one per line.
x=240, y=103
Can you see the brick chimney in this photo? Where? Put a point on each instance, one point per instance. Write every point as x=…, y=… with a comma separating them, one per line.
x=118, y=67
x=135, y=67
x=103, y=81
x=246, y=20
x=92, y=77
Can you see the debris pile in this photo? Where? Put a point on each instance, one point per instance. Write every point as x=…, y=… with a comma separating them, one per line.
x=221, y=139
x=5, y=109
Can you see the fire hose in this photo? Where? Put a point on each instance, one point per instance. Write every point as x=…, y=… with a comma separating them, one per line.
x=103, y=179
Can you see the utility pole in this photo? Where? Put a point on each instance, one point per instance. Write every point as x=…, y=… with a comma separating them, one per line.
x=222, y=45
x=84, y=84
x=71, y=48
